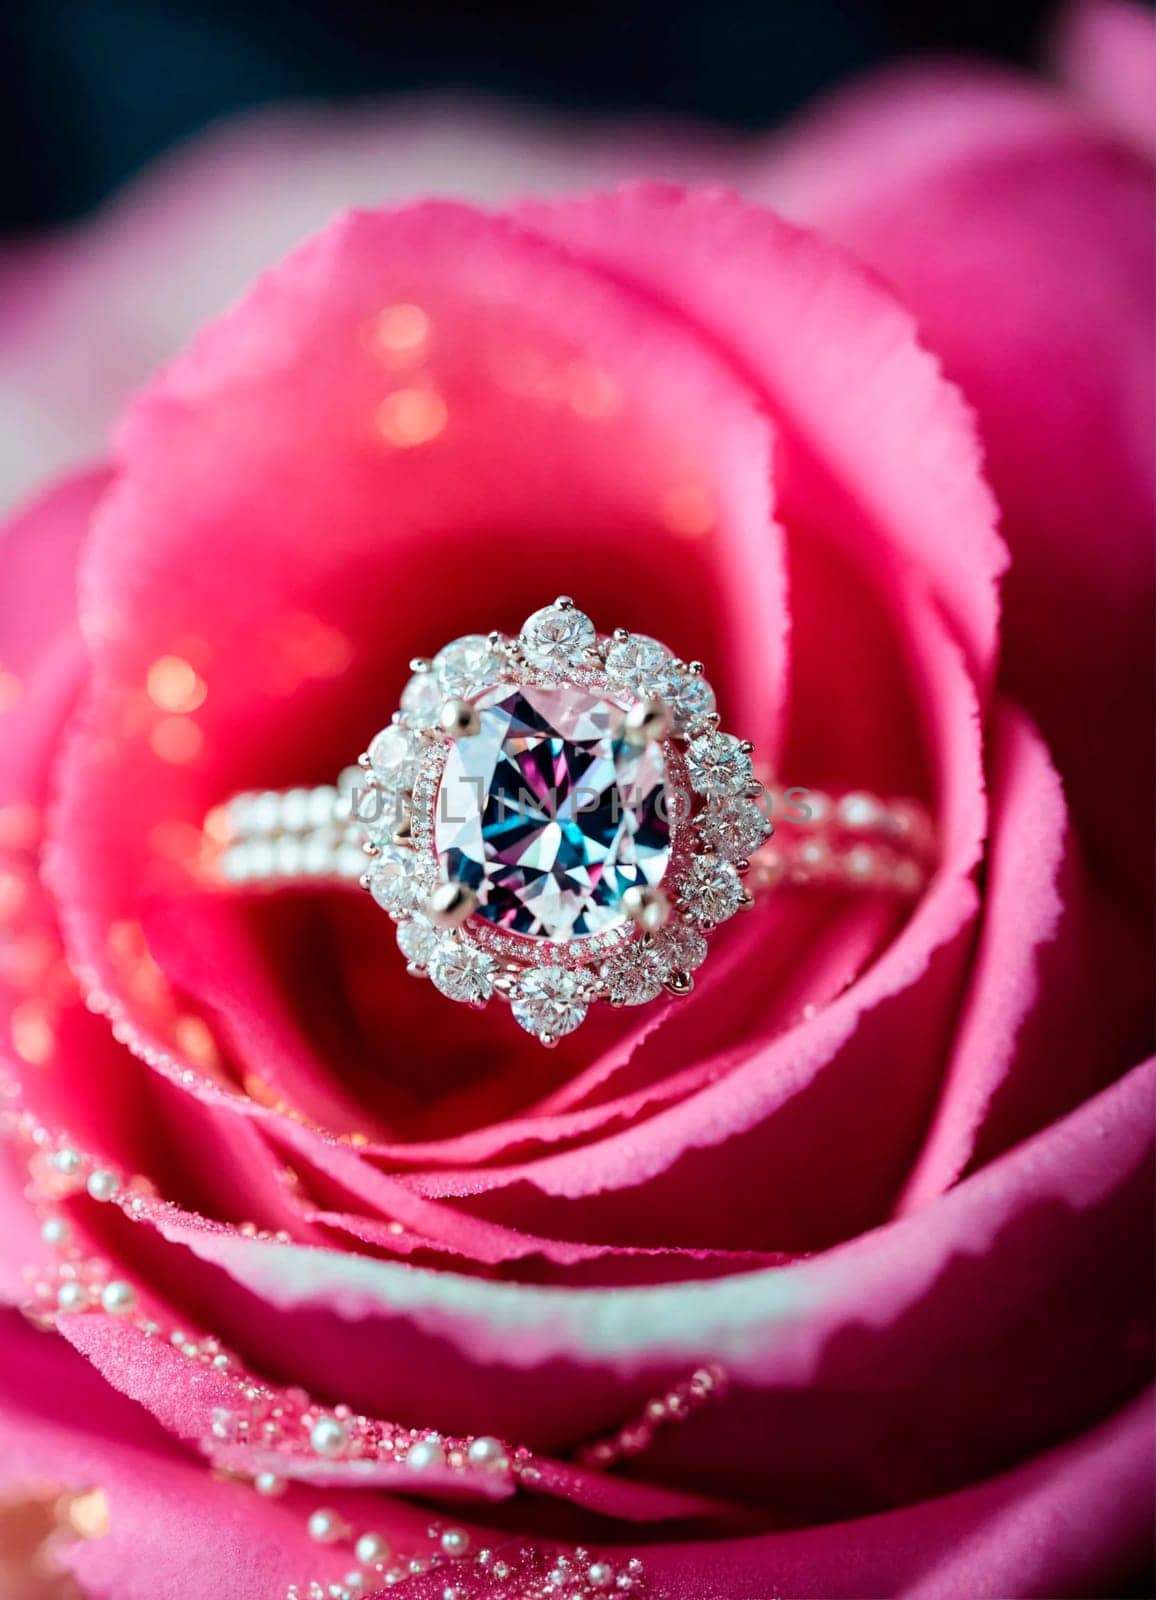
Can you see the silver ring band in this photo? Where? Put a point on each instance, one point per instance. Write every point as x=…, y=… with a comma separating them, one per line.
x=276, y=837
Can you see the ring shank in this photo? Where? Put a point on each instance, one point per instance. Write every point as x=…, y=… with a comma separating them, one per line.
x=854, y=840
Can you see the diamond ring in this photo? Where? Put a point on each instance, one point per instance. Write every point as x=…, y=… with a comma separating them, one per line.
x=557, y=819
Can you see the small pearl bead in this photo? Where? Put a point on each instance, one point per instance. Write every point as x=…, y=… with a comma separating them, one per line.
x=103, y=1184
x=455, y=1541
x=72, y=1296
x=860, y=862
x=425, y=1453
x=371, y=1549
x=600, y=1575
x=269, y=1485
x=325, y=1526
x=858, y=811
x=118, y=1297
x=67, y=1161
x=55, y=1231
x=488, y=1452
x=328, y=1437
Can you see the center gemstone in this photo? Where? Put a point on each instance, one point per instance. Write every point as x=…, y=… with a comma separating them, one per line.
x=549, y=815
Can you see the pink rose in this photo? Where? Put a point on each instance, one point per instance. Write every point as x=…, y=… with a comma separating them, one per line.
x=873, y=1205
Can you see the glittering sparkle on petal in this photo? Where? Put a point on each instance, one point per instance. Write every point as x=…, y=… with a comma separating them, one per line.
x=410, y=417
x=173, y=685
x=548, y=815
x=552, y=1001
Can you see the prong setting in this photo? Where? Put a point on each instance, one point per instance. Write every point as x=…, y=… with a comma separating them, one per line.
x=646, y=722
x=459, y=719
x=647, y=907
x=451, y=904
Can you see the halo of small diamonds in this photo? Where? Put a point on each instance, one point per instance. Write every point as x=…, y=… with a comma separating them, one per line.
x=552, y=1001
x=548, y=901
x=462, y=971
x=734, y=828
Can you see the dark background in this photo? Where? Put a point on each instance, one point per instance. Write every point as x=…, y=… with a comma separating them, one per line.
x=89, y=89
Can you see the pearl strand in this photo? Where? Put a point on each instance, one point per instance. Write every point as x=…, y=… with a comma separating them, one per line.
x=529, y=1573
x=905, y=824
x=674, y=1405
x=816, y=862
x=286, y=836
x=283, y=1420
x=854, y=840
x=59, y=1170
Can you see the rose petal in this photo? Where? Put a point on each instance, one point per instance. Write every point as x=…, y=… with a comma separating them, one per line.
x=1105, y=50
x=979, y=1282
x=1022, y=239
x=1052, y=963
x=184, y=1395
x=1076, y=1520
x=86, y=320
x=172, y=1527
x=848, y=402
